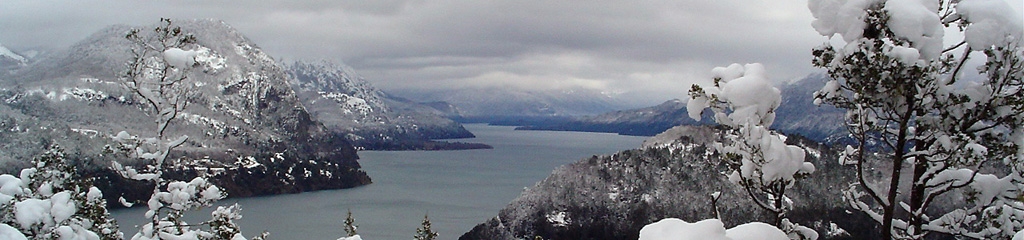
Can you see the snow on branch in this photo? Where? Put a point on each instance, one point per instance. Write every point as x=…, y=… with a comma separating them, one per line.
x=744, y=101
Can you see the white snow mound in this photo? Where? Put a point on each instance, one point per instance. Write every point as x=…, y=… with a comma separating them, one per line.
x=709, y=229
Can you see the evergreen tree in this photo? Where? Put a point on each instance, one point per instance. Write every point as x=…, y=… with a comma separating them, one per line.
x=424, y=232
x=350, y=227
x=936, y=132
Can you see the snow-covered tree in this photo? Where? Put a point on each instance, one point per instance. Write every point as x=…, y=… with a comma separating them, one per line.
x=350, y=228
x=424, y=232
x=158, y=73
x=913, y=99
x=51, y=201
x=744, y=101
x=350, y=225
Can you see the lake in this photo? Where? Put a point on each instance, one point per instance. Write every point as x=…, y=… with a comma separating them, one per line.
x=458, y=189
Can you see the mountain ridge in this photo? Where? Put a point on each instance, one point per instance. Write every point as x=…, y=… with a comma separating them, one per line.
x=368, y=117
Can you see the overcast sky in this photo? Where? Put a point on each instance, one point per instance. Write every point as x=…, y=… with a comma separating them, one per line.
x=650, y=48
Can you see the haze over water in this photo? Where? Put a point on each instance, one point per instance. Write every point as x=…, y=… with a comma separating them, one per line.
x=458, y=189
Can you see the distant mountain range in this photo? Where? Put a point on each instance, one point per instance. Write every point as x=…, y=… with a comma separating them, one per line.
x=512, y=106
x=646, y=121
x=796, y=115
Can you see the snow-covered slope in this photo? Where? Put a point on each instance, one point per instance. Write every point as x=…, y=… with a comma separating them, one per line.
x=243, y=109
x=340, y=84
x=10, y=60
x=672, y=175
x=336, y=95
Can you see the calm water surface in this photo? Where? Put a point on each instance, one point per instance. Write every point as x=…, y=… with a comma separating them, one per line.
x=458, y=189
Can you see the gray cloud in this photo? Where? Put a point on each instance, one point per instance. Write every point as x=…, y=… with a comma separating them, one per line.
x=659, y=47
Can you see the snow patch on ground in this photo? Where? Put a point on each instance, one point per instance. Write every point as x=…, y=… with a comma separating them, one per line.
x=210, y=59
x=349, y=103
x=75, y=93
x=96, y=80
x=813, y=152
x=87, y=132
x=559, y=219
x=83, y=94
x=710, y=229
x=247, y=162
x=217, y=125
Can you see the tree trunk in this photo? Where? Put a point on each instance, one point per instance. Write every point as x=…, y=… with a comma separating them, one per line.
x=900, y=152
x=917, y=193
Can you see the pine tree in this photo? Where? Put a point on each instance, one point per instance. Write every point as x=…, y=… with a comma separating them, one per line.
x=350, y=227
x=424, y=232
x=935, y=131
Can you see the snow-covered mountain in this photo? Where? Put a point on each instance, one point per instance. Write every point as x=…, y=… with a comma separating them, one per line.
x=796, y=115
x=671, y=175
x=243, y=111
x=346, y=103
